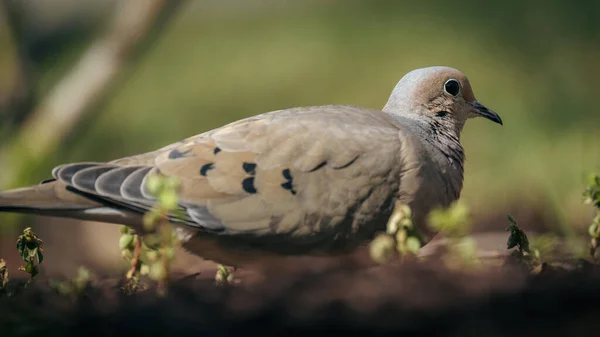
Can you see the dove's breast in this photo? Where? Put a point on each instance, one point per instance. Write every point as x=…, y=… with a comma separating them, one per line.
x=433, y=179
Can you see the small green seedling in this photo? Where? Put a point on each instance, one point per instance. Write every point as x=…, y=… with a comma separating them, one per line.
x=224, y=276
x=517, y=237
x=75, y=287
x=3, y=276
x=151, y=254
x=592, y=197
x=526, y=254
x=30, y=249
x=130, y=245
x=402, y=238
x=454, y=222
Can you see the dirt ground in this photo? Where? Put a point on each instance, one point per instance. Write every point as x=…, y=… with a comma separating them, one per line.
x=408, y=300
x=306, y=296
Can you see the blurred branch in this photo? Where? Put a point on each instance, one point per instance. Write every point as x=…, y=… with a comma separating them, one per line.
x=136, y=24
x=19, y=102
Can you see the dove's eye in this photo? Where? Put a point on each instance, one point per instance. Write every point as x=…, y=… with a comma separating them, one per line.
x=452, y=87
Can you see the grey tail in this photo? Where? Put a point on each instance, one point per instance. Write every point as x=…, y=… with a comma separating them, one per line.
x=53, y=198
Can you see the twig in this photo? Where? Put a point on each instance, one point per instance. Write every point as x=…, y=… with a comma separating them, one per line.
x=135, y=261
x=165, y=233
x=87, y=85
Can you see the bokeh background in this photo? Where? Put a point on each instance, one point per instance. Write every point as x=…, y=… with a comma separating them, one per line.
x=210, y=62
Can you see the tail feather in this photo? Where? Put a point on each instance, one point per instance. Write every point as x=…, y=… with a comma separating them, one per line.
x=46, y=196
x=54, y=199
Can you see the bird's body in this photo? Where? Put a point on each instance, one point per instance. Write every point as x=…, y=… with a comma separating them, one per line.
x=301, y=181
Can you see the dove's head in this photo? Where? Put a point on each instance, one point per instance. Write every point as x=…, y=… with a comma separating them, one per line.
x=441, y=94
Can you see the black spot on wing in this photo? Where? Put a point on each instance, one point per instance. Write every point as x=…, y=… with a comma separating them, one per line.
x=346, y=165
x=250, y=168
x=318, y=166
x=289, y=184
x=248, y=185
x=217, y=150
x=286, y=174
x=205, y=168
x=176, y=154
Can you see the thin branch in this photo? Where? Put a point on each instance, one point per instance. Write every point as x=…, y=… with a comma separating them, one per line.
x=136, y=24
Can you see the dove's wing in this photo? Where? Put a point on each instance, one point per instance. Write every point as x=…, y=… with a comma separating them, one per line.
x=293, y=173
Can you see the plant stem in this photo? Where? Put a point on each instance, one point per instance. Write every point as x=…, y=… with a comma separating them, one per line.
x=135, y=261
x=164, y=235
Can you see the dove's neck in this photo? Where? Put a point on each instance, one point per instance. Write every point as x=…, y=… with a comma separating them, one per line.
x=441, y=137
x=442, y=145
x=442, y=134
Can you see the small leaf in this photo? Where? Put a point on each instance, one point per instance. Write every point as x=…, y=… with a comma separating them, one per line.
x=127, y=255
x=152, y=255
x=512, y=241
x=401, y=235
x=512, y=220
x=413, y=245
x=125, y=241
x=150, y=220
x=169, y=200
x=25, y=255
x=152, y=241
x=154, y=185
x=524, y=242
x=393, y=223
x=34, y=270
x=381, y=248
x=157, y=271
x=29, y=267
x=170, y=253
x=40, y=256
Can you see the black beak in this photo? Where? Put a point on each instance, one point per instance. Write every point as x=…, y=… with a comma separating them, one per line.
x=486, y=113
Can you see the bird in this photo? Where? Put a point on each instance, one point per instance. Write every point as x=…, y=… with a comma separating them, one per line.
x=301, y=181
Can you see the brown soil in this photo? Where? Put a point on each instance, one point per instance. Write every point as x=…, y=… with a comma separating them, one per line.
x=343, y=296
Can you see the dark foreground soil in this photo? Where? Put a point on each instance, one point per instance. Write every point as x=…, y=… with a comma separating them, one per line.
x=400, y=300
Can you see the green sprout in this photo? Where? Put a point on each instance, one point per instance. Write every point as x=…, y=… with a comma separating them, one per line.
x=75, y=287
x=30, y=249
x=152, y=253
x=517, y=237
x=224, y=276
x=130, y=245
x=454, y=222
x=3, y=276
x=402, y=237
x=592, y=197
x=543, y=247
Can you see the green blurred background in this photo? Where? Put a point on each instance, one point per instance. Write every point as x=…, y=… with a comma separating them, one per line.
x=536, y=63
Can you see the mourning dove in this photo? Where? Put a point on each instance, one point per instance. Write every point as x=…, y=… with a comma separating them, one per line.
x=316, y=180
